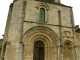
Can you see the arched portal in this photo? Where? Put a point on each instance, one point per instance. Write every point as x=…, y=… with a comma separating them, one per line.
x=40, y=43
x=38, y=50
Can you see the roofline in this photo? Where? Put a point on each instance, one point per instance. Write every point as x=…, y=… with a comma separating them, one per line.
x=62, y=5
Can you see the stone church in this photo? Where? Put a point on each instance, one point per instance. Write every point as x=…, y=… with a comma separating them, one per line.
x=40, y=30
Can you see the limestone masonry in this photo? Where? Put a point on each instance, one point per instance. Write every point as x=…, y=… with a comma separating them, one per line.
x=40, y=30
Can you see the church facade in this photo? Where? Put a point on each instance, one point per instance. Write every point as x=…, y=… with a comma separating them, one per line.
x=40, y=30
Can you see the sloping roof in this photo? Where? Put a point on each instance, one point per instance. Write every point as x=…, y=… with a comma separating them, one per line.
x=78, y=30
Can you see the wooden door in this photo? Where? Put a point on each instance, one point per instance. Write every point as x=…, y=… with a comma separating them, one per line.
x=38, y=51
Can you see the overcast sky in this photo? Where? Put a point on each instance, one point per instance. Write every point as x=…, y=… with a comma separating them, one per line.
x=4, y=7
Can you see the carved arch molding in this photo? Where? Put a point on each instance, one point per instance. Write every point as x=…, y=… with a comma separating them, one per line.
x=47, y=36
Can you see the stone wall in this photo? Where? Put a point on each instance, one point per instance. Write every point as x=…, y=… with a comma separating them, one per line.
x=23, y=29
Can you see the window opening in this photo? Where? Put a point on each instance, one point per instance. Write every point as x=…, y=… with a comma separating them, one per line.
x=42, y=15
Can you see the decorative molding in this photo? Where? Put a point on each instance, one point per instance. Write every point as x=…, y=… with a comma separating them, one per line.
x=68, y=42
x=48, y=24
x=42, y=5
x=67, y=33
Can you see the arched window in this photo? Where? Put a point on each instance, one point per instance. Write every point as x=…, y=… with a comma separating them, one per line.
x=42, y=15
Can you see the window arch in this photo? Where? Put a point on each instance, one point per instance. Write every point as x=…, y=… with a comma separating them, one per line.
x=42, y=15
x=43, y=9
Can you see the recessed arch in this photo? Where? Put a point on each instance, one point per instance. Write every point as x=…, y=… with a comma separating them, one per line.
x=68, y=43
x=42, y=9
x=41, y=31
x=68, y=50
x=40, y=28
x=39, y=44
x=43, y=34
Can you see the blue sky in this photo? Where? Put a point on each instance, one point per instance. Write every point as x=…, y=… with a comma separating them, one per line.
x=4, y=7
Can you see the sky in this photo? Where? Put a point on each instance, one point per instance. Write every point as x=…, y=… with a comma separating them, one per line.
x=4, y=7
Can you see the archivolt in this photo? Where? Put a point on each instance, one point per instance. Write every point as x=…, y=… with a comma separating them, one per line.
x=68, y=43
x=48, y=36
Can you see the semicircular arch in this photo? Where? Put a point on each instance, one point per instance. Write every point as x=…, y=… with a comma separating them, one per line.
x=47, y=35
x=68, y=43
x=44, y=5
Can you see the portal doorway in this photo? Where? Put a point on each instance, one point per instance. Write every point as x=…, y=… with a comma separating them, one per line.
x=38, y=50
